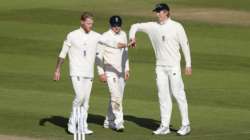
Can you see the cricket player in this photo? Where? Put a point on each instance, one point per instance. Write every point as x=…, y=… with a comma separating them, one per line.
x=81, y=47
x=114, y=70
x=167, y=37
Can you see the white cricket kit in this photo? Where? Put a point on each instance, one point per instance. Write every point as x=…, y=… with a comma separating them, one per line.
x=114, y=63
x=167, y=39
x=81, y=48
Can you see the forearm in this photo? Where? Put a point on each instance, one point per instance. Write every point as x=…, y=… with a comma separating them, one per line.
x=126, y=60
x=59, y=64
x=121, y=45
x=187, y=55
x=99, y=59
x=107, y=44
x=60, y=59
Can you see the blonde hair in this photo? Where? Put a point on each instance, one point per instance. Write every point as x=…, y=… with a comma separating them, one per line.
x=86, y=15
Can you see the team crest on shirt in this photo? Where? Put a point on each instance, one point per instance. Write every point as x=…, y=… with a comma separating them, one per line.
x=163, y=38
x=84, y=53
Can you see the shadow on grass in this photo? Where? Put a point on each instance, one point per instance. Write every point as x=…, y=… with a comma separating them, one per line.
x=143, y=122
x=147, y=123
x=62, y=122
x=56, y=120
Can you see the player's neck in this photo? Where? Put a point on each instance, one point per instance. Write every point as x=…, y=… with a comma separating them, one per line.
x=85, y=30
x=163, y=20
x=115, y=32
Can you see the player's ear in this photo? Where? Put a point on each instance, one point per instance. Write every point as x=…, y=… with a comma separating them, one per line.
x=168, y=14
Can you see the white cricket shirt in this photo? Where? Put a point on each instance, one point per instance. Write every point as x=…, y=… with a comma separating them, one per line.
x=113, y=58
x=166, y=39
x=81, y=48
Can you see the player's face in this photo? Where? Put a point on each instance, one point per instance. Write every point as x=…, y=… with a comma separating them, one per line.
x=162, y=15
x=116, y=29
x=87, y=24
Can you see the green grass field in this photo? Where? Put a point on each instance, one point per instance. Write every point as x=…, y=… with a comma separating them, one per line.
x=32, y=105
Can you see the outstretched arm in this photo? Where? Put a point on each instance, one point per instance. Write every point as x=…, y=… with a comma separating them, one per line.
x=138, y=27
x=116, y=45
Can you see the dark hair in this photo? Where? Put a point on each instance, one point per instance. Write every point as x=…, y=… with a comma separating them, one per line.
x=86, y=15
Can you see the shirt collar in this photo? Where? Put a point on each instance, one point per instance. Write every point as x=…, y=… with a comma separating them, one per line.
x=113, y=33
x=166, y=21
x=83, y=31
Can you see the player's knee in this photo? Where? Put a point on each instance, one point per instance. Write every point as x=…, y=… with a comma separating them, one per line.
x=85, y=106
x=78, y=101
x=116, y=98
x=116, y=103
x=179, y=95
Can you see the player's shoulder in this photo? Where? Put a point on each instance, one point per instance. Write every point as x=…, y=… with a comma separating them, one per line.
x=94, y=33
x=109, y=33
x=123, y=32
x=73, y=33
x=106, y=33
x=175, y=23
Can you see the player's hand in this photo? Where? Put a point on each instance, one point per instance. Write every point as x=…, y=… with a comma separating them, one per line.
x=132, y=43
x=103, y=78
x=121, y=45
x=57, y=75
x=127, y=75
x=188, y=71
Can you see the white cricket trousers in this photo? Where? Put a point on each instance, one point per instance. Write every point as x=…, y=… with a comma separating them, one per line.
x=116, y=84
x=169, y=82
x=82, y=87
